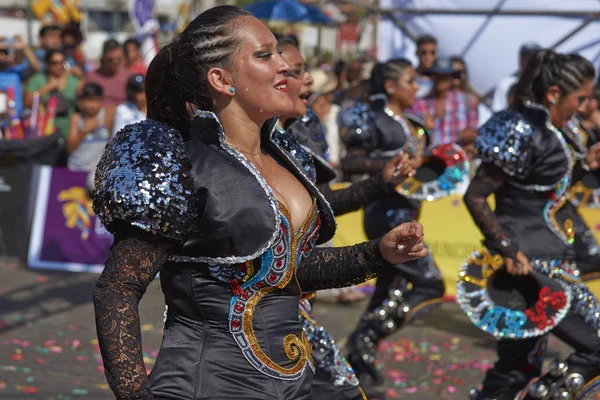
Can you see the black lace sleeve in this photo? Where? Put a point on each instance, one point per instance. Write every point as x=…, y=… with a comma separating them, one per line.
x=357, y=195
x=358, y=162
x=486, y=182
x=133, y=263
x=338, y=267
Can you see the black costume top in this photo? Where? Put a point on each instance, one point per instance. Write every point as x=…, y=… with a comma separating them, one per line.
x=529, y=165
x=232, y=265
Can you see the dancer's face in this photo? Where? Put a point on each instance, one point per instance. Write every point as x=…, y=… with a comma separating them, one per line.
x=258, y=72
x=565, y=107
x=299, y=80
x=403, y=91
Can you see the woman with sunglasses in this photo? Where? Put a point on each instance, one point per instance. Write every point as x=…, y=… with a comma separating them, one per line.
x=57, y=82
x=334, y=377
x=528, y=163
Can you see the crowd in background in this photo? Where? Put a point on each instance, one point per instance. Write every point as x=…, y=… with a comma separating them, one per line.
x=92, y=102
x=89, y=103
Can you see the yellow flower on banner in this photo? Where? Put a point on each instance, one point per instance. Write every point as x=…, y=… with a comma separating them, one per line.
x=77, y=210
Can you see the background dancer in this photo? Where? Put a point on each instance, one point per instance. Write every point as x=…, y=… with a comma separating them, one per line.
x=532, y=230
x=334, y=378
x=370, y=146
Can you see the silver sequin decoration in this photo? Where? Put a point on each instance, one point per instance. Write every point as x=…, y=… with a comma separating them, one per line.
x=504, y=142
x=327, y=355
x=144, y=179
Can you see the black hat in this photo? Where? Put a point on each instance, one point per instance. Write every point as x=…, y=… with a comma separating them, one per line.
x=529, y=48
x=444, y=170
x=513, y=307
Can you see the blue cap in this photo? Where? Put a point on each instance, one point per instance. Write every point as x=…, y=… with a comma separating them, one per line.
x=441, y=66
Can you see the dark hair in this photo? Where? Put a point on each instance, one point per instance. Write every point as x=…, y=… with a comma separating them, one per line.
x=110, y=45
x=596, y=93
x=91, y=90
x=177, y=76
x=133, y=41
x=51, y=53
x=74, y=30
x=288, y=40
x=388, y=71
x=44, y=30
x=425, y=39
x=339, y=67
x=135, y=85
x=458, y=59
x=547, y=68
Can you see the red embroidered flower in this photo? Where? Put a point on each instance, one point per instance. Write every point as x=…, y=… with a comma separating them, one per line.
x=538, y=315
x=235, y=287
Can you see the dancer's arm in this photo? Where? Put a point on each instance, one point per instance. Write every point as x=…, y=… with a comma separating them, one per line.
x=357, y=161
x=357, y=195
x=337, y=267
x=487, y=181
x=134, y=261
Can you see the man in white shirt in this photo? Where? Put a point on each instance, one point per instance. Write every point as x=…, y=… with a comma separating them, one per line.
x=500, y=99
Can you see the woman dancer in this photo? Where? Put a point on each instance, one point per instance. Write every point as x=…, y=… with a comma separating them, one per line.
x=334, y=378
x=587, y=251
x=392, y=305
x=531, y=229
x=200, y=193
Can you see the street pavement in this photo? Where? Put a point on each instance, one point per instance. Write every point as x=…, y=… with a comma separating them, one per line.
x=48, y=347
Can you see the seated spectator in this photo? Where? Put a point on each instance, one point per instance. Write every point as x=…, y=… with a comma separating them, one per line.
x=15, y=58
x=72, y=39
x=446, y=112
x=55, y=82
x=461, y=76
x=90, y=129
x=112, y=75
x=321, y=102
x=50, y=38
x=134, y=110
x=134, y=59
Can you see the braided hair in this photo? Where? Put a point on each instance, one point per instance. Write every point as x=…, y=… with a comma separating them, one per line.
x=546, y=68
x=381, y=73
x=177, y=76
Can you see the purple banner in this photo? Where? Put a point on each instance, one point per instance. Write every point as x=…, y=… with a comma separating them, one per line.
x=66, y=234
x=140, y=12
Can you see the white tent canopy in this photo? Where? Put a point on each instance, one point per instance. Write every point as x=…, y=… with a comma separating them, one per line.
x=488, y=33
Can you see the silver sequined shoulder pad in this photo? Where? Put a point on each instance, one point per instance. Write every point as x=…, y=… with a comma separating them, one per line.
x=505, y=140
x=356, y=124
x=144, y=179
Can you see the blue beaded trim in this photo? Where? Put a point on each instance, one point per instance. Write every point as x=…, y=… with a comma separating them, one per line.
x=483, y=312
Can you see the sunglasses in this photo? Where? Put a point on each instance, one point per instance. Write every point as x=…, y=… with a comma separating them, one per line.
x=297, y=73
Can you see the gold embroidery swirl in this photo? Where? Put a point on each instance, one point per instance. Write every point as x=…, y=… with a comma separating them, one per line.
x=296, y=348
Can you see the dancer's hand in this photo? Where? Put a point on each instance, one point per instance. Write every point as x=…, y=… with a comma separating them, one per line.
x=520, y=267
x=592, y=158
x=397, y=169
x=403, y=243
